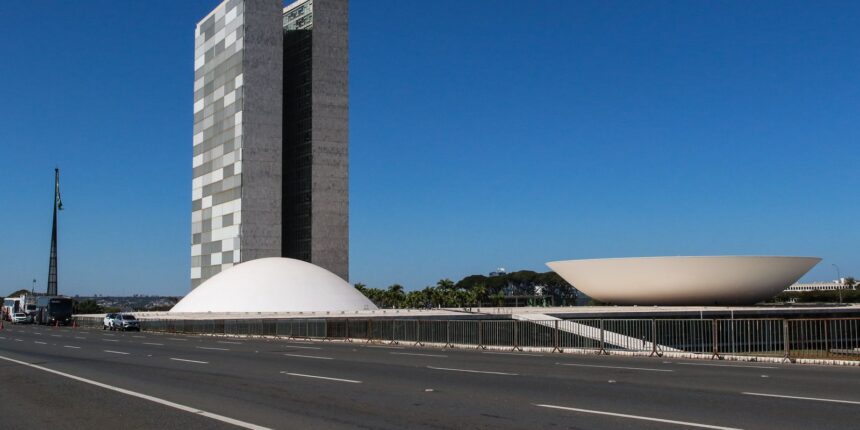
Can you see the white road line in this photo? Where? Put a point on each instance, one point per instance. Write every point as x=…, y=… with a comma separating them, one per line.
x=18, y=340
x=181, y=340
x=729, y=365
x=56, y=335
x=308, y=356
x=2, y=337
x=216, y=349
x=385, y=347
x=615, y=367
x=140, y=337
x=512, y=353
x=304, y=347
x=70, y=346
x=110, y=340
x=472, y=371
x=637, y=417
x=189, y=361
x=231, y=343
x=850, y=402
x=152, y=343
x=322, y=377
x=115, y=352
x=419, y=355
x=153, y=399
x=108, y=334
x=35, y=332
x=81, y=338
x=40, y=343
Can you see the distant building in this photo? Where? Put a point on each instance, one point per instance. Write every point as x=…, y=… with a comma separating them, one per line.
x=499, y=272
x=818, y=286
x=270, y=143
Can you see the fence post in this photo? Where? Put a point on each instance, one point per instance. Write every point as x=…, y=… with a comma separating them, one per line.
x=448, y=334
x=715, y=339
x=480, y=335
x=654, y=339
x=556, y=346
x=418, y=333
x=786, y=341
x=602, y=340
x=346, y=323
x=516, y=336
x=369, y=331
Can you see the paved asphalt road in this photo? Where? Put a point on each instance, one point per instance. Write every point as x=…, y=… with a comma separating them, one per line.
x=77, y=378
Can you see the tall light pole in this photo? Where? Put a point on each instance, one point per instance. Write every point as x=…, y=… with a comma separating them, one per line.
x=838, y=281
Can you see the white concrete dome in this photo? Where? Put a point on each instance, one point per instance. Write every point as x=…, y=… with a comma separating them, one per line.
x=274, y=285
x=715, y=280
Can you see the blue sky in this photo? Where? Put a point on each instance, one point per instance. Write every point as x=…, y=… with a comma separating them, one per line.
x=483, y=134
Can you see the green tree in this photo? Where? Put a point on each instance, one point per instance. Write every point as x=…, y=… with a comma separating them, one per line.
x=19, y=293
x=86, y=307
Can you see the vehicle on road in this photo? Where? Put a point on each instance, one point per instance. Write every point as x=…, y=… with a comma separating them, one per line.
x=20, y=318
x=108, y=322
x=125, y=322
x=52, y=310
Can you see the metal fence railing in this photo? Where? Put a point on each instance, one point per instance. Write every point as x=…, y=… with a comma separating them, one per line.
x=836, y=338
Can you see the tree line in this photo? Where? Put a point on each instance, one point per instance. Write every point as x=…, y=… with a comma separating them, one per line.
x=473, y=290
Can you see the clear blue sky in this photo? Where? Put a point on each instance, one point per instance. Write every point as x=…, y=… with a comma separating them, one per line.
x=482, y=134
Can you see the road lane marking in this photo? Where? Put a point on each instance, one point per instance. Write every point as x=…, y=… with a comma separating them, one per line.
x=850, y=402
x=729, y=365
x=2, y=337
x=615, y=367
x=37, y=333
x=115, y=352
x=56, y=335
x=110, y=340
x=18, y=340
x=308, y=356
x=385, y=347
x=472, y=371
x=189, y=361
x=108, y=334
x=512, y=353
x=637, y=417
x=152, y=343
x=140, y=337
x=322, y=377
x=231, y=343
x=212, y=348
x=40, y=343
x=304, y=347
x=419, y=355
x=174, y=338
x=81, y=338
x=70, y=346
x=153, y=399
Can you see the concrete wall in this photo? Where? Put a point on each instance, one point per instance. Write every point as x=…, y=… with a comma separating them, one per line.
x=262, y=130
x=330, y=105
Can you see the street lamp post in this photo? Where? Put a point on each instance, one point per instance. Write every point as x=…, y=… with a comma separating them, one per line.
x=838, y=281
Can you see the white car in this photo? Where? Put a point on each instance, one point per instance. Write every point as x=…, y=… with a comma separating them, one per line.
x=108, y=322
x=20, y=318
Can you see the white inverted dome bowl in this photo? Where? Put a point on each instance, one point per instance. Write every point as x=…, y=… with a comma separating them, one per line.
x=702, y=281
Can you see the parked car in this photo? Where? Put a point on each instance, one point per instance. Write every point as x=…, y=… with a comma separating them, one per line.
x=108, y=321
x=126, y=322
x=20, y=318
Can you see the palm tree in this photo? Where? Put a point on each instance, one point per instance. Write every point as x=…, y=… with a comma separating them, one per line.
x=394, y=295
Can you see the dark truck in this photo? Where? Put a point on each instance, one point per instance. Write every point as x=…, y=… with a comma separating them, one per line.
x=51, y=310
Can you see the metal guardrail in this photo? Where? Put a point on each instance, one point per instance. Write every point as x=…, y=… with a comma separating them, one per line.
x=837, y=338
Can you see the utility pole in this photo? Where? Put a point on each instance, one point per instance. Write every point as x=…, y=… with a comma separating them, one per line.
x=52, y=266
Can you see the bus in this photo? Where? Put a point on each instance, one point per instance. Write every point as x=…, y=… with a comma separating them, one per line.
x=52, y=310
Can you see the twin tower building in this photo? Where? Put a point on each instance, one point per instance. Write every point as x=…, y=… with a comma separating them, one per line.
x=271, y=135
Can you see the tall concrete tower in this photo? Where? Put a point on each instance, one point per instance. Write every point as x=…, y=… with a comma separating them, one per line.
x=270, y=167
